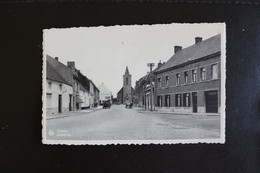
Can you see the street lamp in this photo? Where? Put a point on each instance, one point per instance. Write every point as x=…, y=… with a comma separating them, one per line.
x=151, y=65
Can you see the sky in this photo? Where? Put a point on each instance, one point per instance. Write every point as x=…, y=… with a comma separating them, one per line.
x=102, y=53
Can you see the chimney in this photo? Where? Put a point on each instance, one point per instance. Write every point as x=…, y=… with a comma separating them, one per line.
x=177, y=48
x=198, y=39
x=159, y=64
x=57, y=58
x=71, y=64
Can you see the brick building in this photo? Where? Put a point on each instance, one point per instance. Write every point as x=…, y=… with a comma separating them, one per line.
x=189, y=82
x=144, y=91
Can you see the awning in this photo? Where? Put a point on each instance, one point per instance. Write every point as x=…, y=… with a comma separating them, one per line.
x=78, y=100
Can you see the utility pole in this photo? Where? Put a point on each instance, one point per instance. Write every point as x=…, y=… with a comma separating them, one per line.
x=151, y=65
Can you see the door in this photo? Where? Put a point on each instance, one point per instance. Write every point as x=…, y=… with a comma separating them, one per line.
x=194, y=102
x=70, y=102
x=59, y=104
x=211, y=99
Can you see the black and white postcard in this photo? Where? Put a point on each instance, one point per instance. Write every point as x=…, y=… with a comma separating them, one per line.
x=134, y=84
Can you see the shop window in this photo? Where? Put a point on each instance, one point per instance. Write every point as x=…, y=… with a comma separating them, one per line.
x=167, y=100
x=178, y=100
x=186, y=99
x=48, y=101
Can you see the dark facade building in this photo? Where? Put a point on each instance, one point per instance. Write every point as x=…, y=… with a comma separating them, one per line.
x=125, y=94
x=145, y=90
x=190, y=81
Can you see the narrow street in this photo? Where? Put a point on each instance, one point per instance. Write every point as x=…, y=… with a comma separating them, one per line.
x=119, y=123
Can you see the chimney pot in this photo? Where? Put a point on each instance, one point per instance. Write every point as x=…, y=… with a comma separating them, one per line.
x=198, y=39
x=57, y=58
x=71, y=64
x=159, y=64
x=177, y=48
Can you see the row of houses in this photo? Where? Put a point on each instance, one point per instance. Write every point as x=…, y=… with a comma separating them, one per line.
x=67, y=89
x=189, y=82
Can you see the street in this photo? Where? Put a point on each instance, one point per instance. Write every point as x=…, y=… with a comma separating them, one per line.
x=119, y=123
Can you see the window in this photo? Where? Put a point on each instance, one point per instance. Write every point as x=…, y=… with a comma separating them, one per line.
x=49, y=85
x=159, y=83
x=60, y=86
x=186, y=76
x=194, y=75
x=126, y=80
x=167, y=100
x=107, y=97
x=203, y=73
x=48, y=102
x=167, y=80
x=177, y=100
x=159, y=101
x=178, y=76
x=214, y=71
x=186, y=99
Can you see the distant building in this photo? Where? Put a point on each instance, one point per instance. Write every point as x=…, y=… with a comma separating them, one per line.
x=125, y=94
x=142, y=92
x=104, y=94
x=189, y=82
x=94, y=95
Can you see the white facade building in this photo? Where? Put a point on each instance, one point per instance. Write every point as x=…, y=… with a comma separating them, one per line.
x=58, y=93
x=104, y=94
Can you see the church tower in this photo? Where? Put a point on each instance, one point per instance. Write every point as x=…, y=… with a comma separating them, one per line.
x=127, y=86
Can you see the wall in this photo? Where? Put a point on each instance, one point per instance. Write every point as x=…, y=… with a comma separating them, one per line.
x=52, y=103
x=84, y=95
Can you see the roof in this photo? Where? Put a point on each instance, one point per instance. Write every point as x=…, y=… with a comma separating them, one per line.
x=53, y=75
x=202, y=49
x=126, y=70
x=120, y=91
x=104, y=90
x=63, y=70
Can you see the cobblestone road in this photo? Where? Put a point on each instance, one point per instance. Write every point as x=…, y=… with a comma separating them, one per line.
x=118, y=123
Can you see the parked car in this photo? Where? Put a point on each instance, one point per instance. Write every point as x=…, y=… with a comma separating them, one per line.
x=128, y=105
x=106, y=104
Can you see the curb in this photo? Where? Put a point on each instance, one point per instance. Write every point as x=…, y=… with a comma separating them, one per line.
x=77, y=113
x=174, y=113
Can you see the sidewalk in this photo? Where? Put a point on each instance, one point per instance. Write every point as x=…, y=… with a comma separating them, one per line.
x=142, y=110
x=72, y=113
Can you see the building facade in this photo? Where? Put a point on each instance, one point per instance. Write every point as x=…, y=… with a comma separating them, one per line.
x=59, y=92
x=144, y=93
x=74, y=90
x=104, y=94
x=125, y=94
x=189, y=82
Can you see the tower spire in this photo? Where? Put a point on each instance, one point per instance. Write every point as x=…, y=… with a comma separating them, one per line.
x=126, y=70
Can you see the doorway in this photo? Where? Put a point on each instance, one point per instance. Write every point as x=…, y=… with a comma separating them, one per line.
x=194, y=102
x=211, y=99
x=70, y=108
x=60, y=104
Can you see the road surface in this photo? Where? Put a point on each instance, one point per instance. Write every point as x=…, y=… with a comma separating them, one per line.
x=118, y=123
